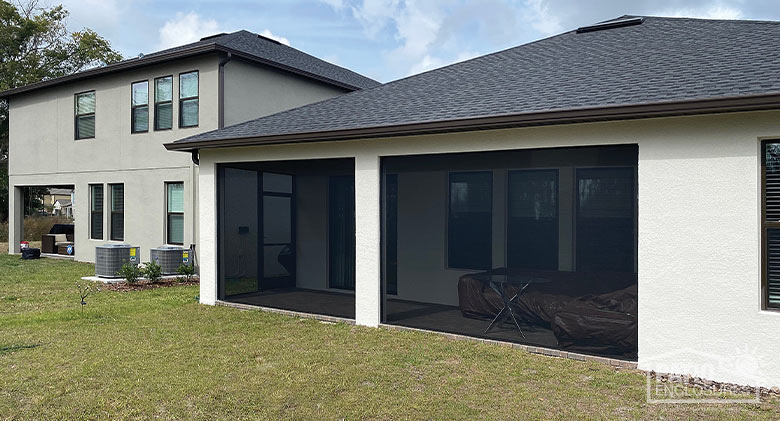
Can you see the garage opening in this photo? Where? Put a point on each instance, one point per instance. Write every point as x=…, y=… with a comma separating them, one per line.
x=49, y=220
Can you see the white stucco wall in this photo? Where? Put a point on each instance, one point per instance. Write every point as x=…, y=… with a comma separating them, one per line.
x=698, y=217
x=253, y=90
x=44, y=152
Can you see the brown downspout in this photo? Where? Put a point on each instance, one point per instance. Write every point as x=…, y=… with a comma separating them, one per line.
x=221, y=89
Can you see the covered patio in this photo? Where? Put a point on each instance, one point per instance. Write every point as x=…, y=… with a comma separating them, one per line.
x=529, y=246
x=533, y=246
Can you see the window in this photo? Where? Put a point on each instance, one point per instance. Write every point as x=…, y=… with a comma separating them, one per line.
x=163, y=103
x=470, y=220
x=85, y=115
x=140, y=107
x=117, y=211
x=96, y=211
x=605, y=220
x=770, y=224
x=175, y=213
x=188, y=99
x=532, y=224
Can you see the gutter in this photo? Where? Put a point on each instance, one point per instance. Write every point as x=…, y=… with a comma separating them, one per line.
x=566, y=116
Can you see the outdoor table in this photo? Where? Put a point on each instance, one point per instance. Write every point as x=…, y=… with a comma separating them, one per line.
x=498, y=283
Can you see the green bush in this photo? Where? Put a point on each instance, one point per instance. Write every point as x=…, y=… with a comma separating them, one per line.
x=130, y=273
x=185, y=272
x=152, y=272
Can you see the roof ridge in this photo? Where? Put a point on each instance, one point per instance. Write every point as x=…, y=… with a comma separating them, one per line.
x=742, y=21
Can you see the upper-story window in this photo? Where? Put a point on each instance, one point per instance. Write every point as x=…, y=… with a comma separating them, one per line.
x=140, y=107
x=85, y=115
x=188, y=99
x=163, y=103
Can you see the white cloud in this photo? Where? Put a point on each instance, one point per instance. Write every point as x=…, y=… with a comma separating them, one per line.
x=336, y=4
x=540, y=17
x=268, y=34
x=186, y=28
x=717, y=11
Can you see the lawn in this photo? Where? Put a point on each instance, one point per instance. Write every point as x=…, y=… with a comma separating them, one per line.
x=158, y=353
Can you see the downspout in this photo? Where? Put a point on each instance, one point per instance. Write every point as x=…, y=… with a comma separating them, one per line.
x=196, y=157
x=221, y=89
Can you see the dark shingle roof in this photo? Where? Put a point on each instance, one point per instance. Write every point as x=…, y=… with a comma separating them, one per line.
x=662, y=60
x=241, y=43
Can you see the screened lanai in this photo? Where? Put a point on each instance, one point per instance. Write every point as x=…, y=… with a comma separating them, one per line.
x=530, y=246
x=286, y=235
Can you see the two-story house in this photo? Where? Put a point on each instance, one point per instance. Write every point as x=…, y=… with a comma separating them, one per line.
x=100, y=132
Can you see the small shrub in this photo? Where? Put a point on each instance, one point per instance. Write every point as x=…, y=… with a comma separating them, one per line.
x=153, y=272
x=185, y=272
x=130, y=273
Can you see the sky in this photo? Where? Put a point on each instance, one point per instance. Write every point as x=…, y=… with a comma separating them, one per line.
x=382, y=39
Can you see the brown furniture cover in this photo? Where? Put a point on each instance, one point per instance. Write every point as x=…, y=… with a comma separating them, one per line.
x=605, y=323
x=588, y=300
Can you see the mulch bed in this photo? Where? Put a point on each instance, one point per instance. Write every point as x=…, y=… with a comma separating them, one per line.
x=144, y=284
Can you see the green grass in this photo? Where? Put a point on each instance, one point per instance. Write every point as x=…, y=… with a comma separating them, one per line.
x=157, y=353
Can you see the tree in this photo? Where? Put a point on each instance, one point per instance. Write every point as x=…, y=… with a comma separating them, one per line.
x=35, y=45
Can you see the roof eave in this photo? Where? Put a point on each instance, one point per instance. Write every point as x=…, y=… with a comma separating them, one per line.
x=258, y=59
x=161, y=58
x=112, y=68
x=568, y=116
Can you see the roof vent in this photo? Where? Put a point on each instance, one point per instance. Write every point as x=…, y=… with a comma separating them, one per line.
x=213, y=36
x=610, y=24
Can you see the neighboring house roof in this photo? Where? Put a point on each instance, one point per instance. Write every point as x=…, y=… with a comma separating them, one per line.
x=643, y=67
x=242, y=44
x=63, y=203
x=58, y=191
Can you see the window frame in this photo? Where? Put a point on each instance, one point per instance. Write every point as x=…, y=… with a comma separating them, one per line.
x=448, y=214
x=157, y=103
x=577, y=263
x=76, y=115
x=181, y=100
x=92, y=211
x=508, y=208
x=133, y=107
x=168, y=214
x=765, y=226
x=112, y=213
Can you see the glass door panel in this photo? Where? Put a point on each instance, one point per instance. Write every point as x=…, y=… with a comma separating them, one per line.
x=278, y=232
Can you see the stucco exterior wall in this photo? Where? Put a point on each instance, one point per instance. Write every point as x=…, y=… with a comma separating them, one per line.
x=252, y=91
x=43, y=151
x=698, y=222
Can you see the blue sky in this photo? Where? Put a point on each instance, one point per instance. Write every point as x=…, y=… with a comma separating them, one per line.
x=382, y=39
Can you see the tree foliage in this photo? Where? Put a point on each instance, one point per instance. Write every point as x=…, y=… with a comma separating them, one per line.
x=35, y=45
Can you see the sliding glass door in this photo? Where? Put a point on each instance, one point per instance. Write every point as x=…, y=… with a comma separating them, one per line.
x=278, y=232
x=256, y=231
